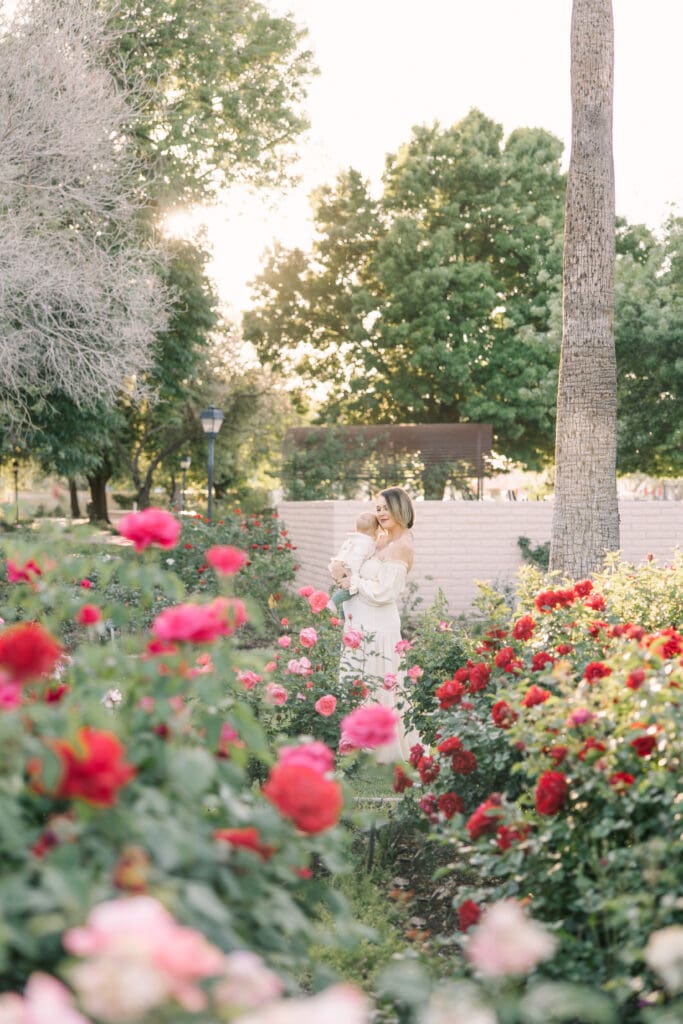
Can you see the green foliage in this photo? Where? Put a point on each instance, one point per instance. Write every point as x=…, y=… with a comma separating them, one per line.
x=440, y=302
x=535, y=554
x=224, y=85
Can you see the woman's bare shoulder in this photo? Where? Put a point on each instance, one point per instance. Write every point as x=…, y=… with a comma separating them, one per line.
x=401, y=550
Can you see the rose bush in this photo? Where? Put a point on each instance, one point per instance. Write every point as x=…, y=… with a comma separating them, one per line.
x=571, y=712
x=126, y=760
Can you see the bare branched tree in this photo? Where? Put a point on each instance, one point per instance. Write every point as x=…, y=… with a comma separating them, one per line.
x=80, y=300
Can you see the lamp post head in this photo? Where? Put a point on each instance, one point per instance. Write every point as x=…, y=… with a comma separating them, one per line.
x=186, y=462
x=211, y=420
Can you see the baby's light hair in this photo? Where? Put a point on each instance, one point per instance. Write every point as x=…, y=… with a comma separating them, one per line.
x=367, y=522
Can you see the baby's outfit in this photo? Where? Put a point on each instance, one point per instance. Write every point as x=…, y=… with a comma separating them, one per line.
x=353, y=552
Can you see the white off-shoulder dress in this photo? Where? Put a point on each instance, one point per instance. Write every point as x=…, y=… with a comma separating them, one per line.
x=373, y=610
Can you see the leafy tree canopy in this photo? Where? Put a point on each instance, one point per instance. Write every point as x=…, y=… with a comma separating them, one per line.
x=223, y=83
x=438, y=301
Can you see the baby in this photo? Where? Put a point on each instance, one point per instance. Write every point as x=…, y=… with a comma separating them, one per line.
x=356, y=548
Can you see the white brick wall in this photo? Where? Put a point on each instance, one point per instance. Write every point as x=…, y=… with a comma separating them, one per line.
x=458, y=542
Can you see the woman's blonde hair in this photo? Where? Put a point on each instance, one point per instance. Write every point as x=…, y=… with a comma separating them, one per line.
x=400, y=506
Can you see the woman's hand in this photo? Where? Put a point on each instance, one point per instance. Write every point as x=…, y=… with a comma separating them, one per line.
x=338, y=571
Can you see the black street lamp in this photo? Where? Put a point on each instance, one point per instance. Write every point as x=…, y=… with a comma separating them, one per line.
x=212, y=421
x=15, y=469
x=185, y=463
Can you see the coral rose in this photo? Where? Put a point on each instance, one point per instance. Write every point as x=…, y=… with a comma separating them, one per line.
x=305, y=796
x=314, y=755
x=151, y=526
x=326, y=705
x=318, y=601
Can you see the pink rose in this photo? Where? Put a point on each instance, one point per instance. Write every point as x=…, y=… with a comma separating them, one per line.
x=152, y=526
x=507, y=941
x=270, y=666
x=306, y=591
x=402, y=646
x=10, y=696
x=299, y=667
x=580, y=717
x=370, y=726
x=276, y=694
x=390, y=681
x=248, y=679
x=196, y=623
x=226, y=560
x=415, y=673
x=315, y=755
x=352, y=638
x=318, y=601
x=284, y=641
x=308, y=637
x=326, y=706
x=45, y=999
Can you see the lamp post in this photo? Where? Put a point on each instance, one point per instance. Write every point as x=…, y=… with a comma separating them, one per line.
x=185, y=463
x=212, y=421
x=15, y=470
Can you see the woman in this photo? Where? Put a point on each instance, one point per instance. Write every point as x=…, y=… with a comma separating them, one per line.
x=373, y=608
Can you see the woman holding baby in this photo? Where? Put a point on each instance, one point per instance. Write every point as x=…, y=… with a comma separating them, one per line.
x=372, y=607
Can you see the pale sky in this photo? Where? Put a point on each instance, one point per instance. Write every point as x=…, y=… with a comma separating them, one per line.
x=387, y=65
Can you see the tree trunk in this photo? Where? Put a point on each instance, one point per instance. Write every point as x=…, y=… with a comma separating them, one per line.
x=97, y=506
x=73, y=498
x=586, y=515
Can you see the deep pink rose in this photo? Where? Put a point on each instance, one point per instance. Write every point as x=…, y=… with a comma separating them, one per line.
x=152, y=526
x=326, y=705
x=226, y=560
x=370, y=726
x=199, y=623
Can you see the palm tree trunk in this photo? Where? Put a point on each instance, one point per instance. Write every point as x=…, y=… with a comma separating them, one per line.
x=586, y=515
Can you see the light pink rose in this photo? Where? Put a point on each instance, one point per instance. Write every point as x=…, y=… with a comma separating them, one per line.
x=299, y=667
x=341, y=1004
x=245, y=983
x=326, y=705
x=276, y=694
x=415, y=673
x=315, y=755
x=45, y=1001
x=345, y=746
x=390, y=681
x=284, y=641
x=352, y=638
x=308, y=637
x=402, y=646
x=370, y=726
x=507, y=941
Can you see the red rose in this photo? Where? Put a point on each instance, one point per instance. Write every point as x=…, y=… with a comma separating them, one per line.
x=464, y=762
x=152, y=526
x=635, y=679
x=535, y=695
x=449, y=745
x=644, y=745
x=22, y=573
x=564, y=648
x=596, y=602
x=583, y=588
x=305, y=796
x=401, y=780
x=428, y=770
x=449, y=694
x=558, y=754
x=621, y=780
x=450, y=804
x=468, y=914
x=593, y=747
x=485, y=818
x=551, y=792
x=27, y=651
x=507, y=836
x=479, y=676
x=596, y=670
x=667, y=643
x=540, y=660
x=523, y=628
x=89, y=614
x=248, y=838
x=93, y=770
x=416, y=753
x=503, y=715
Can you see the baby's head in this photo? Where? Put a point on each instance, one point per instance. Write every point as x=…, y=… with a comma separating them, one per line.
x=367, y=523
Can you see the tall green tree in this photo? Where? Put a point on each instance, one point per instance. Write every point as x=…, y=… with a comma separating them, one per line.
x=222, y=84
x=649, y=345
x=586, y=513
x=434, y=303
